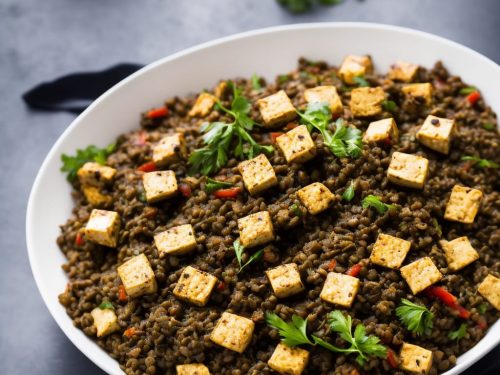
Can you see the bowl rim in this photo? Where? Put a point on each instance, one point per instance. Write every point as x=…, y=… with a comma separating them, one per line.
x=37, y=273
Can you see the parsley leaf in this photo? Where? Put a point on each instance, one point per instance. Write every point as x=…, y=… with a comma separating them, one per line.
x=361, y=81
x=296, y=210
x=377, y=204
x=239, y=249
x=436, y=225
x=467, y=90
x=416, y=318
x=255, y=80
x=212, y=185
x=72, y=164
x=294, y=333
x=481, y=163
x=106, y=305
x=489, y=126
x=482, y=308
x=348, y=194
x=459, y=333
x=389, y=105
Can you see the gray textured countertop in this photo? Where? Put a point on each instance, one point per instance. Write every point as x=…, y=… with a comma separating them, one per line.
x=40, y=40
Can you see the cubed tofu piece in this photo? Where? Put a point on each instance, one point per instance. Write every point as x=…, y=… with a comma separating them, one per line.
x=366, y=101
x=103, y=227
x=256, y=229
x=419, y=90
x=415, y=358
x=408, y=170
x=95, y=174
x=137, y=276
x=463, y=205
x=169, y=149
x=258, y=174
x=105, y=321
x=459, y=253
x=176, y=241
x=233, y=332
x=355, y=66
x=340, y=289
x=490, y=289
x=276, y=108
x=421, y=274
x=316, y=197
x=297, y=145
x=403, y=71
x=159, y=185
x=195, y=286
x=94, y=196
x=384, y=130
x=389, y=251
x=285, y=280
x=203, y=105
x=436, y=133
x=192, y=369
x=286, y=360
x=325, y=94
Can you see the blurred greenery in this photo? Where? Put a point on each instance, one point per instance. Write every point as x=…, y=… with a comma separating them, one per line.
x=303, y=6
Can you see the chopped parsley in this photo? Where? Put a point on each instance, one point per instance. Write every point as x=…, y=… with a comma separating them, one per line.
x=375, y=202
x=348, y=194
x=467, y=90
x=71, y=164
x=106, y=305
x=212, y=185
x=480, y=163
x=239, y=249
x=389, y=106
x=416, y=318
x=459, y=333
x=361, y=81
x=296, y=210
x=255, y=80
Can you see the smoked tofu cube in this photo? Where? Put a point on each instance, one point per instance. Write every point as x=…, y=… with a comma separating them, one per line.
x=459, y=253
x=297, y=145
x=490, y=289
x=421, y=274
x=325, y=94
x=408, y=170
x=192, y=369
x=94, y=196
x=355, y=66
x=366, y=101
x=286, y=360
x=436, y=133
x=463, y=204
x=403, y=71
x=419, y=90
x=384, y=130
x=194, y=286
x=105, y=321
x=203, y=105
x=285, y=280
x=316, y=197
x=233, y=332
x=159, y=185
x=95, y=174
x=169, y=149
x=389, y=251
x=256, y=229
x=258, y=174
x=415, y=358
x=103, y=227
x=176, y=241
x=137, y=276
x=340, y=289
x=276, y=108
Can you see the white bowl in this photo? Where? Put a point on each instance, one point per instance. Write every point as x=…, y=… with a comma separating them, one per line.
x=267, y=52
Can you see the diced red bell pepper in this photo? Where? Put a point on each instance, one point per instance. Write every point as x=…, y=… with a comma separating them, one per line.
x=221, y=286
x=157, y=113
x=473, y=97
x=482, y=323
x=147, y=167
x=129, y=332
x=79, y=240
x=275, y=135
x=122, y=294
x=331, y=265
x=185, y=190
x=290, y=126
x=230, y=193
x=462, y=311
x=354, y=270
x=448, y=299
x=391, y=359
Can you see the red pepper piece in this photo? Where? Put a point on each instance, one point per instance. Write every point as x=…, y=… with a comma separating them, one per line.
x=79, y=240
x=331, y=265
x=221, y=286
x=275, y=135
x=129, y=332
x=391, y=359
x=122, y=294
x=185, y=190
x=157, y=113
x=147, y=167
x=473, y=97
x=448, y=299
x=290, y=126
x=230, y=193
x=354, y=270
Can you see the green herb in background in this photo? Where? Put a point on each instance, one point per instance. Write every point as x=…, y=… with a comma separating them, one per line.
x=72, y=164
x=303, y=6
x=489, y=126
x=361, y=81
x=467, y=90
x=389, y=106
x=416, y=318
x=459, y=333
x=106, y=305
x=480, y=163
x=239, y=249
x=348, y=194
x=212, y=185
x=482, y=308
x=283, y=78
x=377, y=204
x=255, y=80
x=296, y=210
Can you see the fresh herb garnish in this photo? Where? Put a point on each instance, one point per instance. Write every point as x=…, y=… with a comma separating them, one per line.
x=106, y=305
x=239, y=249
x=459, y=333
x=303, y=6
x=480, y=163
x=489, y=126
x=283, y=78
x=256, y=82
x=348, y=194
x=294, y=333
x=361, y=81
x=482, y=308
x=296, y=210
x=416, y=318
x=389, y=106
x=212, y=185
x=467, y=90
x=377, y=204
x=72, y=164
x=437, y=226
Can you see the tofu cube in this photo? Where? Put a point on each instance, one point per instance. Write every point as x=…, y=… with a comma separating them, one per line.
x=286, y=360
x=195, y=286
x=389, y=251
x=137, y=276
x=459, y=253
x=340, y=289
x=95, y=174
x=276, y=108
x=463, y=204
x=436, y=133
x=105, y=321
x=94, y=196
x=384, y=130
x=403, y=71
x=415, y=359
x=297, y=145
x=233, y=332
x=325, y=94
x=103, y=227
x=203, y=105
x=419, y=90
x=176, y=241
x=256, y=229
x=408, y=170
x=285, y=280
x=355, y=66
x=169, y=149
x=490, y=289
x=421, y=274
x=366, y=101
x=192, y=369
x=316, y=197
x=159, y=185
x=258, y=174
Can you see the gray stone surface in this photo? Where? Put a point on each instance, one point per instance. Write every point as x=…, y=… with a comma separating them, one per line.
x=42, y=39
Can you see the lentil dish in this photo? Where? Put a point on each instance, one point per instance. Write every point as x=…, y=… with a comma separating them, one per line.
x=355, y=216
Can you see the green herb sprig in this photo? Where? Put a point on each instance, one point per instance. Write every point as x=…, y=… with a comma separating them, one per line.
x=459, y=333
x=467, y=90
x=106, y=305
x=349, y=193
x=296, y=210
x=489, y=126
x=389, y=106
x=375, y=202
x=71, y=164
x=480, y=163
x=303, y=6
x=255, y=80
x=361, y=81
x=416, y=318
x=212, y=185
x=239, y=250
